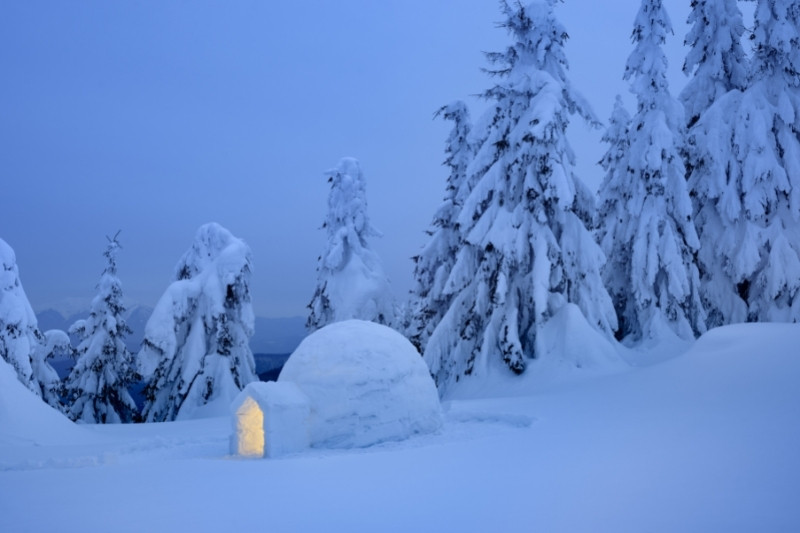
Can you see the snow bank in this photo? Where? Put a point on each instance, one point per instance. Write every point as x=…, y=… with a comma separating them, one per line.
x=366, y=384
x=569, y=340
x=24, y=417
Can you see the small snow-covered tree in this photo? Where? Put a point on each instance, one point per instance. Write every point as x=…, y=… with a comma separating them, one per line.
x=97, y=387
x=658, y=234
x=716, y=60
x=431, y=296
x=527, y=251
x=56, y=344
x=747, y=180
x=613, y=217
x=196, y=354
x=350, y=278
x=20, y=338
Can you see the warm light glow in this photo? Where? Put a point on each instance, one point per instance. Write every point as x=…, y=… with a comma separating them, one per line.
x=250, y=429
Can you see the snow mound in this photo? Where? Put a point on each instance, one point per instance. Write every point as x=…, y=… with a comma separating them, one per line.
x=366, y=384
x=25, y=418
x=568, y=339
x=569, y=350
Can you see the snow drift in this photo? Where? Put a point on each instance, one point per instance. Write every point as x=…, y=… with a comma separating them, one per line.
x=24, y=417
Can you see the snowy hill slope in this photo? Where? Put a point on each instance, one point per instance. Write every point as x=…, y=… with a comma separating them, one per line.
x=25, y=420
x=704, y=442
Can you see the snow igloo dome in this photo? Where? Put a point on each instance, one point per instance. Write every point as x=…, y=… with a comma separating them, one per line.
x=366, y=384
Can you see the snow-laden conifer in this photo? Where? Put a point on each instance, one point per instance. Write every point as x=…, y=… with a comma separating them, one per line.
x=747, y=180
x=21, y=342
x=350, y=278
x=97, y=387
x=527, y=251
x=196, y=354
x=716, y=60
x=431, y=296
x=662, y=277
x=613, y=217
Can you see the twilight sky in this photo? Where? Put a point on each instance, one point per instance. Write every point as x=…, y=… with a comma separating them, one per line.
x=155, y=117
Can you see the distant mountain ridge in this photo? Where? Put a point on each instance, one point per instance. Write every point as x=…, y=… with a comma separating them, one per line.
x=272, y=335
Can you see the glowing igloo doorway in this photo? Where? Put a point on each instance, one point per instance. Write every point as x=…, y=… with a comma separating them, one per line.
x=269, y=419
x=249, y=427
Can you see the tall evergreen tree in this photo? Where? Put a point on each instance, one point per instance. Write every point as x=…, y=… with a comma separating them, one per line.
x=97, y=386
x=662, y=277
x=716, y=60
x=747, y=180
x=350, y=278
x=434, y=290
x=717, y=65
x=613, y=219
x=527, y=251
x=196, y=354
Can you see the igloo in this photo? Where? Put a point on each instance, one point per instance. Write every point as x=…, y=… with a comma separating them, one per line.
x=349, y=384
x=366, y=384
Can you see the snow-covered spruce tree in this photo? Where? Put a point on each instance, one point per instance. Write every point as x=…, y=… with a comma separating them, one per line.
x=195, y=354
x=97, y=387
x=747, y=180
x=431, y=295
x=350, y=278
x=527, y=253
x=613, y=217
x=717, y=65
x=21, y=342
x=716, y=60
x=662, y=276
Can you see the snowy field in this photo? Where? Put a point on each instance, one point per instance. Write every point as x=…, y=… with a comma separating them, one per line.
x=705, y=441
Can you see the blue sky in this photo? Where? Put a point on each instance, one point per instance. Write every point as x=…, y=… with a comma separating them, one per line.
x=155, y=117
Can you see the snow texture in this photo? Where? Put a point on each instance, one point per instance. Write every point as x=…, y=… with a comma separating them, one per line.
x=526, y=247
x=270, y=419
x=366, y=384
x=97, y=387
x=196, y=353
x=350, y=278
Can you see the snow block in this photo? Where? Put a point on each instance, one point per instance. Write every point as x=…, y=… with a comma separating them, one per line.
x=269, y=419
x=366, y=384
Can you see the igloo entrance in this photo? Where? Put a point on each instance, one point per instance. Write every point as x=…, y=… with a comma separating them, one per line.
x=269, y=419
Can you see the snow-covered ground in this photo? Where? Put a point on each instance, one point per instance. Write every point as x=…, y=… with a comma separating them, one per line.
x=706, y=441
